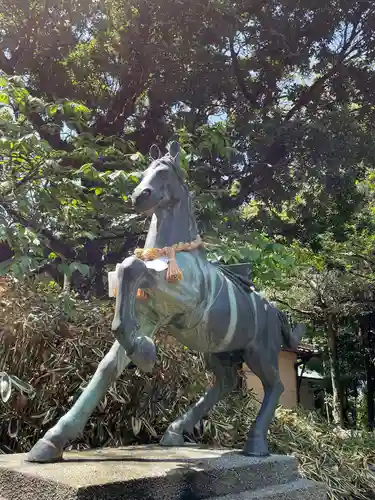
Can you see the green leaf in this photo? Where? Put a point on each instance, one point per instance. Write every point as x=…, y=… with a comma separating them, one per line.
x=81, y=268
x=5, y=267
x=136, y=157
x=4, y=99
x=65, y=269
x=87, y=234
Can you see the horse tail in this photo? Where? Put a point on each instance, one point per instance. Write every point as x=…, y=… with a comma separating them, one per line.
x=292, y=337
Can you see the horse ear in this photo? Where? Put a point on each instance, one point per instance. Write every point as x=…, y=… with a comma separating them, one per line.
x=155, y=152
x=174, y=149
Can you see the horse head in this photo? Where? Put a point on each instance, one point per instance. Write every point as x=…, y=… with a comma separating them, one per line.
x=162, y=183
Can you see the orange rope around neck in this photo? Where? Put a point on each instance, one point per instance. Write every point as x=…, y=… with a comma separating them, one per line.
x=174, y=273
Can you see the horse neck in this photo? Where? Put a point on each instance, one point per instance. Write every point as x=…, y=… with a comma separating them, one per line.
x=172, y=225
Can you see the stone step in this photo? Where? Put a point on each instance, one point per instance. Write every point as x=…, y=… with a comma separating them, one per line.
x=296, y=490
x=144, y=472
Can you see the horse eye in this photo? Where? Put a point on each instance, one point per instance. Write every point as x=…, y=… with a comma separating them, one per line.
x=163, y=174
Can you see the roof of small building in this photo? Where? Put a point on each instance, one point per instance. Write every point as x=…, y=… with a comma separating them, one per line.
x=310, y=374
x=303, y=349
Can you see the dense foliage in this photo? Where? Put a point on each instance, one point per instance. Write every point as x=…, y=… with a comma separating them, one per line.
x=94, y=84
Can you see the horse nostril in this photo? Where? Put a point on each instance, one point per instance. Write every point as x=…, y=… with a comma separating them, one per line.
x=146, y=192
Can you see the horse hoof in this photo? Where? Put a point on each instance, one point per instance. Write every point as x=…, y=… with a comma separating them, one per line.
x=171, y=438
x=144, y=355
x=44, y=452
x=256, y=447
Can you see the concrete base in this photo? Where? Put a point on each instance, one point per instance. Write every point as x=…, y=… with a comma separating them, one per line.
x=155, y=473
x=296, y=490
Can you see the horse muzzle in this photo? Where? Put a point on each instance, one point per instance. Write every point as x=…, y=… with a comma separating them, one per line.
x=144, y=200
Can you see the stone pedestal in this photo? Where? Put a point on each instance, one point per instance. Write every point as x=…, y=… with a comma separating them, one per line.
x=155, y=473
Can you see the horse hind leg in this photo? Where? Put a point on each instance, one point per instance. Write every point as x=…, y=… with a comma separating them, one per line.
x=265, y=366
x=226, y=376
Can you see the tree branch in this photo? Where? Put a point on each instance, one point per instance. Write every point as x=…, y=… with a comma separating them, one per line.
x=54, y=140
x=308, y=94
x=238, y=73
x=299, y=311
x=61, y=248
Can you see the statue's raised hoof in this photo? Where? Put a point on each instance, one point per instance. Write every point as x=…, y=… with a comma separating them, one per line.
x=144, y=355
x=44, y=452
x=171, y=438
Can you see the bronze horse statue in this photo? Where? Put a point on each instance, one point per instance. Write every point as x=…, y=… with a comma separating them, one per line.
x=208, y=308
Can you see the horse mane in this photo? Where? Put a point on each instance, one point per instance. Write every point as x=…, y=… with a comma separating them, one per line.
x=170, y=161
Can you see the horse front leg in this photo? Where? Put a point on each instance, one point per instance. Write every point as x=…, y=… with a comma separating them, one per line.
x=50, y=447
x=133, y=274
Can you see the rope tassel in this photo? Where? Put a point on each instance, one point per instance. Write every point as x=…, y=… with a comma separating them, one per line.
x=141, y=294
x=173, y=273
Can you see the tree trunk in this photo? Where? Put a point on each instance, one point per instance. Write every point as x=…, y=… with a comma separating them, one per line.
x=337, y=406
x=366, y=334
x=67, y=284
